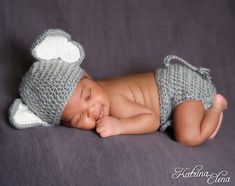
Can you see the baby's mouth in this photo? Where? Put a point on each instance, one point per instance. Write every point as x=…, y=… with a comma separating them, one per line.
x=101, y=114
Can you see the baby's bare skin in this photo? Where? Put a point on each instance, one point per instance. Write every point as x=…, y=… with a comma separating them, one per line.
x=135, y=101
x=130, y=105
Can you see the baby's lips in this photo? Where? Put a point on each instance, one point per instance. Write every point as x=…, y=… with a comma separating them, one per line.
x=102, y=113
x=100, y=116
x=99, y=120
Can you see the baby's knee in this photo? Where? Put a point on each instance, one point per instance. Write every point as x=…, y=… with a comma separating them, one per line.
x=190, y=140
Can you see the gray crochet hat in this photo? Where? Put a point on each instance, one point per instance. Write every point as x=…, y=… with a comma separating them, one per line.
x=50, y=81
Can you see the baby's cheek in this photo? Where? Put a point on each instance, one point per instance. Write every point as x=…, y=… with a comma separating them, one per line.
x=88, y=123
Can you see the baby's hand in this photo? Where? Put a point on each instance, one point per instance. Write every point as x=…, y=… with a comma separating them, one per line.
x=108, y=126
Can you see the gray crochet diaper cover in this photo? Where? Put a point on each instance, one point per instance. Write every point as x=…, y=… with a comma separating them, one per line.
x=180, y=82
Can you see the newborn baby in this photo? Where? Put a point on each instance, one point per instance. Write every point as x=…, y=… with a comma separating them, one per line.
x=57, y=91
x=130, y=105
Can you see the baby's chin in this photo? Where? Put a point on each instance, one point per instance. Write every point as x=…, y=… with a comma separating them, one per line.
x=88, y=127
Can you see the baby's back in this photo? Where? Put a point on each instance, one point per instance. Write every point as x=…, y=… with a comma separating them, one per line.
x=138, y=88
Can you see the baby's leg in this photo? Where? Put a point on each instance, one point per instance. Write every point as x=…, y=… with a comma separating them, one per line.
x=193, y=125
x=221, y=103
x=218, y=126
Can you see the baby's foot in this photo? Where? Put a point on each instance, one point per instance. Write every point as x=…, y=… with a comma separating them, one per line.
x=218, y=126
x=219, y=103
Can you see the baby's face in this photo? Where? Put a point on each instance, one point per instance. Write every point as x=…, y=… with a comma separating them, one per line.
x=88, y=103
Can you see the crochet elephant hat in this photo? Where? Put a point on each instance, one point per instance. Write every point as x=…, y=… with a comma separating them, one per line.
x=50, y=81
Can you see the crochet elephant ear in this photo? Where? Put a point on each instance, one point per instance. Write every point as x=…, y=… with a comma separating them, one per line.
x=21, y=117
x=57, y=44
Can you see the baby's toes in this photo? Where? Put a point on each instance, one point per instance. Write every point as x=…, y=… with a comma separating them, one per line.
x=220, y=102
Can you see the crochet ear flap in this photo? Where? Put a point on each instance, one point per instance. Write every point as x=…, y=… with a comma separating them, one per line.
x=55, y=44
x=21, y=117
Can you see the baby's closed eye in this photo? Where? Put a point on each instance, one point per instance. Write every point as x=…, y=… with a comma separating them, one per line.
x=88, y=95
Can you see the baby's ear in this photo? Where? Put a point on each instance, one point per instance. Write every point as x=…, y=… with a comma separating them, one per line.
x=57, y=44
x=21, y=117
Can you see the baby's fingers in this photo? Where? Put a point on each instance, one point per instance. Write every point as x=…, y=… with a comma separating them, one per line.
x=99, y=121
x=99, y=129
x=104, y=134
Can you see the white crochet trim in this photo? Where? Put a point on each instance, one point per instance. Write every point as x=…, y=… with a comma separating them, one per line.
x=21, y=117
x=25, y=116
x=54, y=47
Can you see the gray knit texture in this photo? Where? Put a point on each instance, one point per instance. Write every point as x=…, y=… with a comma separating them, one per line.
x=47, y=86
x=178, y=83
x=56, y=32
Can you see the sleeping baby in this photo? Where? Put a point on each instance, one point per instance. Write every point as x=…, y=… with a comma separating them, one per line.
x=57, y=91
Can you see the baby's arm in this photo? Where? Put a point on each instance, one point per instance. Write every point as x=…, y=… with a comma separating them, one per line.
x=143, y=120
